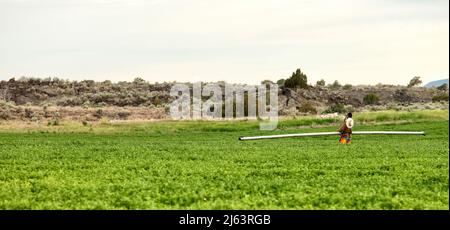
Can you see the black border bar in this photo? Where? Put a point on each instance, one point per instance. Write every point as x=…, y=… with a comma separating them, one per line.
x=171, y=218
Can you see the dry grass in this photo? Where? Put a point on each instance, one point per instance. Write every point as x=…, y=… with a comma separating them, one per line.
x=105, y=125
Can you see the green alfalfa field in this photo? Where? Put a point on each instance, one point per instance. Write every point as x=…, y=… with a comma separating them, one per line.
x=202, y=165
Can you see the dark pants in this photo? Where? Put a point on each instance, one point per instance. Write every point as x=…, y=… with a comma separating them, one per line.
x=346, y=136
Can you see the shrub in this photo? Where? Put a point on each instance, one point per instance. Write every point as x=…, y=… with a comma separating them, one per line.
x=401, y=95
x=335, y=108
x=98, y=113
x=440, y=97
x=320, y=83
x=442, y=87
x=54, y=122
x=156, y=101
x=307, y=107
x=28, y=113
x=370, y=99
x=349, y=108
x=7, y=104
x=335, y=86
x=347, y=87
x=5, y=115
x=123, y=114
x=46, y=113
x=104, y=121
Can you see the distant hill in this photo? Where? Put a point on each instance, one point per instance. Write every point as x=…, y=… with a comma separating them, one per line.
x=436, y=83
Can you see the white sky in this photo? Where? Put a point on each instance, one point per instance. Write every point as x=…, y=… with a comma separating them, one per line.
x=240, y=41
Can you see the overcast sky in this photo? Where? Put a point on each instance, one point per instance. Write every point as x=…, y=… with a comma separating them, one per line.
x=240, y=41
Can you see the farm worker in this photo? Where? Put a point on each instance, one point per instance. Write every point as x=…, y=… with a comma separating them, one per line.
x=346, y=129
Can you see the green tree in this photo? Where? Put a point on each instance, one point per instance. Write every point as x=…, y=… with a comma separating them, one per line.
x=414, y=82
x=138, y=81
x=321, y=82
x=281, y=82
x=297, y=80
x=265, y=82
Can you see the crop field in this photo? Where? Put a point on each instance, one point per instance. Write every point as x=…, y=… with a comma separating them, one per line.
x=202, y=165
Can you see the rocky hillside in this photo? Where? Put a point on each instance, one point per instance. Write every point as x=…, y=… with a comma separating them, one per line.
x=84, y=93
x=26, y=98
x=325, y=99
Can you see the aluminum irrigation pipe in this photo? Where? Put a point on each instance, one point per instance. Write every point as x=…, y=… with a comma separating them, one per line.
x=331, y=133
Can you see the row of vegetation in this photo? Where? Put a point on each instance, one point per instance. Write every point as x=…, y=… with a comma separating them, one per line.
x=298, y=79
x=16, y=95
x=60, y=92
